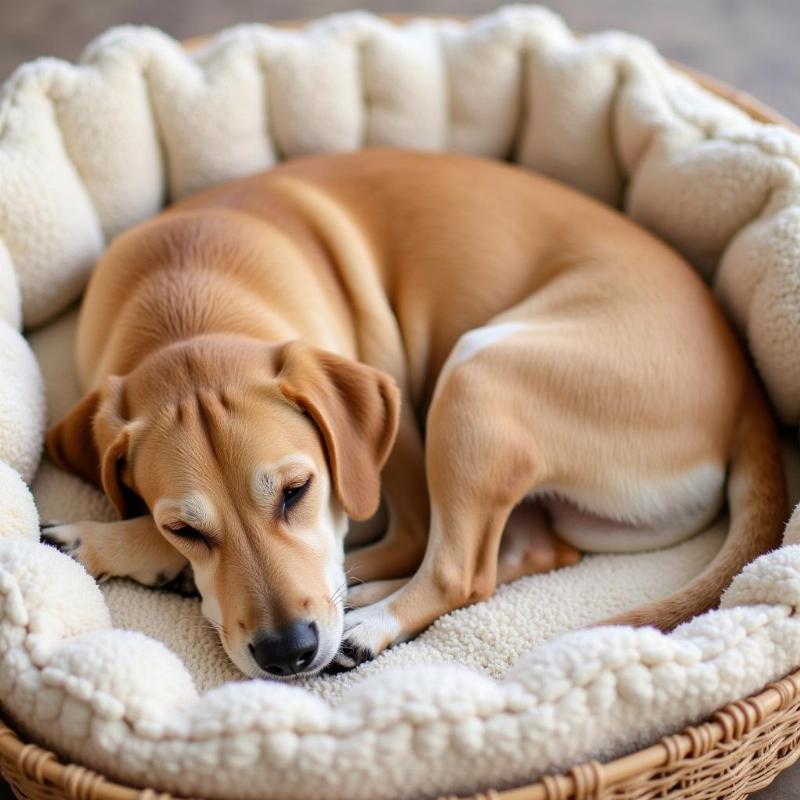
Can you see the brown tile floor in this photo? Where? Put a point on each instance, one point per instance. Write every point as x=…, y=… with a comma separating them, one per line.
x=750, y=43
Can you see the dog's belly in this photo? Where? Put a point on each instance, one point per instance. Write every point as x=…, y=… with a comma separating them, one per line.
x=641, y=516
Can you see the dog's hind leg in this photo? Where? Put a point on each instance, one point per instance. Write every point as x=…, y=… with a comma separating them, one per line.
x=131, y=548
x=482, y=459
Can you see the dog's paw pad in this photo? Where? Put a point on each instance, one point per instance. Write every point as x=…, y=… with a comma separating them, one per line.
x=349, y=657
x=356, y=653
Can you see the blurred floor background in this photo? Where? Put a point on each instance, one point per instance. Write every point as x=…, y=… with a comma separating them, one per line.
x=752, y=44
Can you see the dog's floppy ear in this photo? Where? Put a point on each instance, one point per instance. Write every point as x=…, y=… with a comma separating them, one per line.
x=70, y=443
x=356, y=409
x=92, y=441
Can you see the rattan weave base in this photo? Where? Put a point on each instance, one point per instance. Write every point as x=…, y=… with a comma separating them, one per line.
x=738, y=751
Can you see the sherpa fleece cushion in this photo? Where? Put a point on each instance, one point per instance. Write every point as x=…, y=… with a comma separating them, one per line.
x=88, y=150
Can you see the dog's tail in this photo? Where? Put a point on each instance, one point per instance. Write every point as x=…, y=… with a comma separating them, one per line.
x=757, y=505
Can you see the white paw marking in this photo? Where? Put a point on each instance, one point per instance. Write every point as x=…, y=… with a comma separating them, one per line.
x=70, y=541
x=67, y=538
x=367, y=632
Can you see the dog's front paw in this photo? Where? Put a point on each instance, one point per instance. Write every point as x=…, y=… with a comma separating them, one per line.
x=368, y=632
x=69, y=540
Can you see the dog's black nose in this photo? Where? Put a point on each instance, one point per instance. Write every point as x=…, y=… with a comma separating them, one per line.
x=286, y=652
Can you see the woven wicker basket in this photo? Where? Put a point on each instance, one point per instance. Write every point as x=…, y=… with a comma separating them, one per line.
x=739, y=750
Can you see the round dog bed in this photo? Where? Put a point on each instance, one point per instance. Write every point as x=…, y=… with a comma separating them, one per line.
x=492, y=696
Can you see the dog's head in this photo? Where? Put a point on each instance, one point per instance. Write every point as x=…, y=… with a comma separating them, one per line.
x=250, y=458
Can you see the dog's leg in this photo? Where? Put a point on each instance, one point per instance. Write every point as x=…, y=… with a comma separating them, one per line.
x=131, y=548
x=482, y=460
x=400, y=551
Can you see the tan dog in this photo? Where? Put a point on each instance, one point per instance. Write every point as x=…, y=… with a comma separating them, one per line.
x=259, y=358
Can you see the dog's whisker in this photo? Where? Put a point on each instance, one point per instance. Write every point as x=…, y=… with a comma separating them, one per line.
x=349, y=578
x=337, y=598
x=338, y=595
x=218, y=628
x=206, y=626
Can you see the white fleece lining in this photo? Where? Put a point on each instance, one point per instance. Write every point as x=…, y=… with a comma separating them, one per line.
x=492, y=695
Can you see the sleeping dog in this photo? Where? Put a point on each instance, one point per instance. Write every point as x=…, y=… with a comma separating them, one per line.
x=519, y=372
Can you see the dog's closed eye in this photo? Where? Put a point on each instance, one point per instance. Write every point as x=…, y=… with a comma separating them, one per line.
x=188, y=534
x=292, y=495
